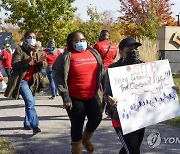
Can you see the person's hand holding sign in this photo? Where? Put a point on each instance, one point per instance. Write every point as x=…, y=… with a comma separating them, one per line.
x=176, y=88
x=113, y=101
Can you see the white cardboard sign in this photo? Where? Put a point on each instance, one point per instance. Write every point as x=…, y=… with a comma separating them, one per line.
x=144, y=93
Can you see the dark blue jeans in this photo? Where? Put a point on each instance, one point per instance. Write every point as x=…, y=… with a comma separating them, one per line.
x=51, y=82
x=31, y=117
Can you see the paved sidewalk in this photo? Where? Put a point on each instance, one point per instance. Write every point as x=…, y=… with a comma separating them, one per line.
x=55, y=135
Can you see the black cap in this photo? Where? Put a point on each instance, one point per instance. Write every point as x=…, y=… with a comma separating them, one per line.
x=127, y=42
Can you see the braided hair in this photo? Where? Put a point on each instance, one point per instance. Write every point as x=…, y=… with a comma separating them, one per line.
x=70, y=38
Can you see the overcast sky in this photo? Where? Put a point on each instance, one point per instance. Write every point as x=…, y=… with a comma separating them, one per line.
x=112, y=5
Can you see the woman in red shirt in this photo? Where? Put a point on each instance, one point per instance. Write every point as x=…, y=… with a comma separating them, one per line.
x=25, y=79
x=77, y=74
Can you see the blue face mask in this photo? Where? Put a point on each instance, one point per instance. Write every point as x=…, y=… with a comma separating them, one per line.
x=81, y=46
x=31, y=42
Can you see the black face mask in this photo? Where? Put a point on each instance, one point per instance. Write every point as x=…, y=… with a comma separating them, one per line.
x=132, y=57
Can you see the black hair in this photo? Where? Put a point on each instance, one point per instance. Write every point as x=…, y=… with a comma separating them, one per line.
x=5, y=45
x=104, y=31
x=26, y=34
x=70, y=38
x=103, y=35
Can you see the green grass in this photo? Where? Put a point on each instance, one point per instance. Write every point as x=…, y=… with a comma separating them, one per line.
x=173, y=122
x=6, y=147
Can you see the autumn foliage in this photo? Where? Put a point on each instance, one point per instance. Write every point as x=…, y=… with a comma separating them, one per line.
x=147, y=15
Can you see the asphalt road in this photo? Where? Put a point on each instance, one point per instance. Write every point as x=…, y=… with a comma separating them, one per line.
x=55, y=135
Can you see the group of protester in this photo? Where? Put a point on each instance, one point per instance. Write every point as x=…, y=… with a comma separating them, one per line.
x=76, y=75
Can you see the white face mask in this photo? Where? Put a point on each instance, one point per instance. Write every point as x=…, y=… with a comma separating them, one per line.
x=31, y=42
x=81, y=46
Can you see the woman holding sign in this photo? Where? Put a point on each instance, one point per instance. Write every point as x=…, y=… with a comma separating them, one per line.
x=129, y=55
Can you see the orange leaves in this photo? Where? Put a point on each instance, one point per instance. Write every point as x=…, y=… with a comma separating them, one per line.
x=147, y=15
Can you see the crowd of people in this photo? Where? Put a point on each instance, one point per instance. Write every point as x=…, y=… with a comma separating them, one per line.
x=76, y=75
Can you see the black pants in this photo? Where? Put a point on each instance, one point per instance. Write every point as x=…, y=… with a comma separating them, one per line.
x=131, y=142
x=103, y=100
x=8, y=72
x=90, y=108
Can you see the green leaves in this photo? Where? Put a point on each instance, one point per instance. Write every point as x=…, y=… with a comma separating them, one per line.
x=51, y=19
x=92, y=27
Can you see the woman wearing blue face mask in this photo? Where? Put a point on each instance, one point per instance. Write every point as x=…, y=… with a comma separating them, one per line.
x=77, y=74
x=26, y=65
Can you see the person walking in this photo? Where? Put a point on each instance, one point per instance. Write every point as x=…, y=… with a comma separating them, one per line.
x=106, y=48
x=129, y=55
x=25, y=79
x=108, y=52
x=6, y=57
x=77, y=74
x=51, y=53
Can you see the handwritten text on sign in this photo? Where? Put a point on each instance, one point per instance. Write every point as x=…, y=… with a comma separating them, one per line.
x=144, y=93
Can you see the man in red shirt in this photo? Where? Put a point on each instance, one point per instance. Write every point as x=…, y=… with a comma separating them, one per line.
x=51, y=53
x=6, y=58
x=108, y=52
x=106, y=48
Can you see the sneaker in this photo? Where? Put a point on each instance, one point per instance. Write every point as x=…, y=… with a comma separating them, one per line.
x=27, y=127
x=52, y=97
x=36, y=130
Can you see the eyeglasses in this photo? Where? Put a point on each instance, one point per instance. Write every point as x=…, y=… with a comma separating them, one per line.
x=79, y=40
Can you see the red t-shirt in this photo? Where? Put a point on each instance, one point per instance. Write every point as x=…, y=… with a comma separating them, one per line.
x=102, y=47
x=115, y=123
x=8, y=59
x=50, y=58
x=29, y=74
x=82, y=79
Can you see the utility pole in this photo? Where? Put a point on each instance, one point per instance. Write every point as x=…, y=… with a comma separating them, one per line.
x=178, y=19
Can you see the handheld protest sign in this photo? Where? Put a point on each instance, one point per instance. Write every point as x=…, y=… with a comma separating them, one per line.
x=144, y=93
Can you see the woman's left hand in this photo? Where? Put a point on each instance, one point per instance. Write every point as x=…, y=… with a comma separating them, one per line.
x=176, y=88
x=42, y=58
x=68, y=105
